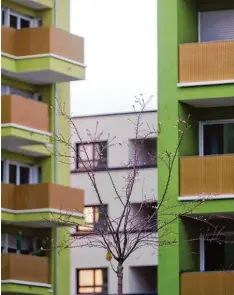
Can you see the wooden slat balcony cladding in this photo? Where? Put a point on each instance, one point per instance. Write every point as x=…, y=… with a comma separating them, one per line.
x=207, y=283
x=42, y=40
x=209, y=61
x=25, y=268
x=25, y=112
x=209, y=175
x=40, y=196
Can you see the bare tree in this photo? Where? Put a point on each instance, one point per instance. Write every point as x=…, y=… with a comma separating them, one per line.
x=122, y=235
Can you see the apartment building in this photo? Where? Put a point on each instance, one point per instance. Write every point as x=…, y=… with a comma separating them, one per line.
x=90, y=271
x=196, y=80
x=39, y=58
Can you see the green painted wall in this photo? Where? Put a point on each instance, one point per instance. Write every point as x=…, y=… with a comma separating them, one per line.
x=47, y=92
x=178, y=23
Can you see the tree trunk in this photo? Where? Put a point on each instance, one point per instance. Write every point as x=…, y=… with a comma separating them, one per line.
x=120, y=278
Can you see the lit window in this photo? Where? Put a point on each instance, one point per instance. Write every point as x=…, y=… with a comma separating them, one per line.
x=91, y=281
x=94, y=217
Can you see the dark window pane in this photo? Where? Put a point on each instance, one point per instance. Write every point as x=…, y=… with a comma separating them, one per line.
x=24, y=23
x=24, y=175
x=13, y=21
x=12, y=174
x=228, y=138
x=39, y=180
x=2, y=170
x=213, y=139
x=3, y=17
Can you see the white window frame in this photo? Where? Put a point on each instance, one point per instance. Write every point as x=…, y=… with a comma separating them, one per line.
x=201, y=131
x=33, y=22
x=19, y=17
x=33, y=172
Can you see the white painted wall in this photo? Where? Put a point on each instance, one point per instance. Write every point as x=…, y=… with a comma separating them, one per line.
x=121, y=127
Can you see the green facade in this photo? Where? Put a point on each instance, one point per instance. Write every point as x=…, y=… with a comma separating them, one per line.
x=47, y=92
x=177, y=24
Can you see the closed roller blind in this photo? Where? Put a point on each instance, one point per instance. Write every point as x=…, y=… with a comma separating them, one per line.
x=217, y=25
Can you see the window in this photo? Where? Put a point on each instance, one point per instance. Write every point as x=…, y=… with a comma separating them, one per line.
x=29, y=244
x=218, y=138
x=222, y=248
x=16, y=20
x=91, y=281
x=94, y=217
x=2, y=170
x=3, y=16
x=145, y=150
x=19, y=173
x=91, y=155
x=144, y=215
x=6, y=90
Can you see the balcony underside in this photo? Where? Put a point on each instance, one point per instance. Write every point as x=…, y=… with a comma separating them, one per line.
x=41, y=70
x=35, y=4
x=41, y=205
x=210, y=102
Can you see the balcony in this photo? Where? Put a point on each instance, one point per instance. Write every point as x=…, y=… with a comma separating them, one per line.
x=45, y=204
x=35, y=4
x=206, y=63
x=25, y=268
x=42, y=55
x=24, y=122
x=204, y=283
x=208, y=175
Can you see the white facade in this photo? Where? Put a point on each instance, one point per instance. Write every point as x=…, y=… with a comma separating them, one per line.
x=141, y=267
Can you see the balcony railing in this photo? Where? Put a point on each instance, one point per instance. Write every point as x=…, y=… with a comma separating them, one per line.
x=25, y=112
x=41, y=196
x=204, y=62
x=42, y=40
x=205, y=283
x=25, y=268
x=208, y=175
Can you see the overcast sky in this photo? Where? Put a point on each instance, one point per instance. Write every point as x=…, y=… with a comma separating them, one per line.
x=120, y=54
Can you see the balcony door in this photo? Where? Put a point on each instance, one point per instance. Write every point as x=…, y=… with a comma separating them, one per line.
x=216, y=137
x=217, y=252
x=216, y=25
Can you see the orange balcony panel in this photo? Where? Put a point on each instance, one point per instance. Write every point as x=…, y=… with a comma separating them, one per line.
x=206, y=62
x=25, y=268
x=208, y=175
x=41, y=196
x=42, y=40
x=25, y=112
x=207, y=283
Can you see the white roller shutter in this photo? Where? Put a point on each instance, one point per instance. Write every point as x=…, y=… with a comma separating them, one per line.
x=216, y=25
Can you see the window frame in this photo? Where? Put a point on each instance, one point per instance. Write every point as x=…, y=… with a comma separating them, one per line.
x=33, y=22
x=103, y=269
x=201, y=131
x=33, y=171
x=103, y=160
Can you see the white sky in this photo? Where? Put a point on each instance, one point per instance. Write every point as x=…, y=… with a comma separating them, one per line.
x=120, y=54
